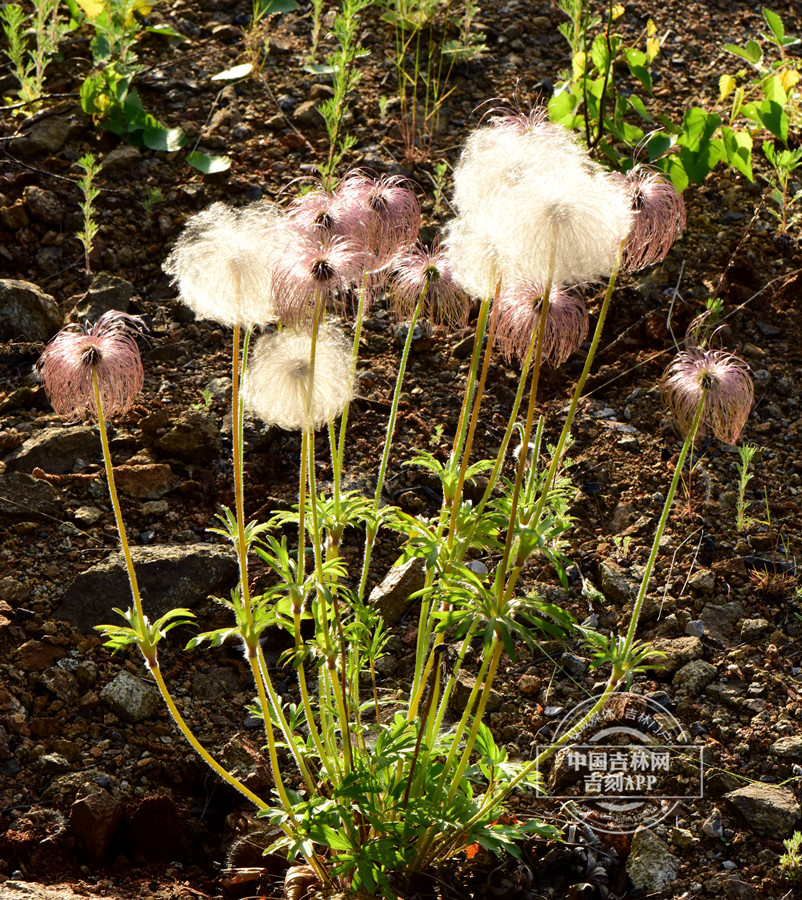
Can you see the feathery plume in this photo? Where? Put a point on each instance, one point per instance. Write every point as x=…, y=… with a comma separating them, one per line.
x=393, y=212
x=110, y=349
x=659, y=217
x=222, y=263
x=284, y=387
x=312, y=272
x=473, y=259
x=518, y=310
x=425, y=274
x=726, y=379
x=537, y=198
x=326, y=214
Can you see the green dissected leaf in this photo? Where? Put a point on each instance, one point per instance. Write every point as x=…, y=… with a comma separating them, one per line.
x=209, y=165
x=165, y=139
x=751, y=52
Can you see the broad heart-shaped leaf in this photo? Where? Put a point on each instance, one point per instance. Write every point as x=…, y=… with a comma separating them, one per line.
x=698, y=127
x=166, y=139
x=699, y=162
x=166, y=31
x=209, y=165
x=774, y=90
x=771, y=116
x=561, y=108
x=737, y=147
x=675, y=169
x=751, y=52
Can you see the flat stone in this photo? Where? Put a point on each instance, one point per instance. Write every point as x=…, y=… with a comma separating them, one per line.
x=307, y=114
x=121, y=157
x=679, y=651
x=243, y=760
x=130, y=697
x=27, y=313
x=106, y=293
x=650, y=865
x=194, y=439
x=56, y=450
x=768, y=811
x=213, y=684
x=703, y=581
x=150, y=481
x=94, y=820
x=720, y=620
x=616, y=585
x=752, y=629
x=392, y=598
x=692, y=678
x=788, y=748
x=43, y=204
x=36, y=656
x=49, y=135
x=462, y=691
x=168, y=577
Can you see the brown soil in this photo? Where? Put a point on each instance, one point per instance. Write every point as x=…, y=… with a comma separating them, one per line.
x=179, y=823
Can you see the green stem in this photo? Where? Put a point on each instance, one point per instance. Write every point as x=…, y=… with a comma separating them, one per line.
x=370, y=535
x=636, y=609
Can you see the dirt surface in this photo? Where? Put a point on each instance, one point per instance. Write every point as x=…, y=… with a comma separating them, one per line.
x=91, y=804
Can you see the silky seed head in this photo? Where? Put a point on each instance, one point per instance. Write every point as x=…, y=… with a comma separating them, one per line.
x=659, y=217
x=222, y=264
x=110, y=349
x=425, y=274
x=284, y=386
x=730, y=392
x=518, y=309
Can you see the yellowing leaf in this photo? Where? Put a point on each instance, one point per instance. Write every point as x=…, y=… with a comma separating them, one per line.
x=579, y=64
x=652, y=48
x=92, y=8
x=618, y=11
x=726, y=85
x=789, y=78
x=651, y=28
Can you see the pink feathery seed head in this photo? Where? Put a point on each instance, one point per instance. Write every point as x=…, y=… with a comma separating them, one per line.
x=393, y=211
x=518, y=309
x=110, y=349
x=326, y=213
x=730, y=392
x=314, y=272
x=425, y=273
x=659, y=217
x=514, y=118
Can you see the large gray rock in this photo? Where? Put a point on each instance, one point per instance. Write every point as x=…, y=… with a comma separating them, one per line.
x=616, y=585
x=27, y=313
x=720, y=621
x=130, y=698
x=168, y=577
x=194, y=439
x=24, y=497
x=692, y=678
x=392, y=598
x=106, y=292
x=650, y=865
x=768, y=811
x=49, y=134
x=56, y=450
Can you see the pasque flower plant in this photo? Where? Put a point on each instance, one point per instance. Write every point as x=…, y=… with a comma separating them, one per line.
x=380, y=788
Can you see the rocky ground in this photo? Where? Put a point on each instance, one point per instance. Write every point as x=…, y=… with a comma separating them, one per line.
x=98, y=794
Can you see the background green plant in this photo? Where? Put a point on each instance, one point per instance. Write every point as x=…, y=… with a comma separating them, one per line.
x=90, y=193
x=612, y=116
x=32, y=43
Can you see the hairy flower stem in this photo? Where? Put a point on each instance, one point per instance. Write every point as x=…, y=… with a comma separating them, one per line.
x=661, y=525
x=580, y=385
x=239, y=500
x=148, y=651
x=466, y=454
x=478, y=340
x=501, y=572
x=370, y=532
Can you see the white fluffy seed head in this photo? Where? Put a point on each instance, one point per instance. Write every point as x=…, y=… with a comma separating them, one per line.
x=542, y=206
x=284, y=386
x=223, y=260
x=473, y=259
